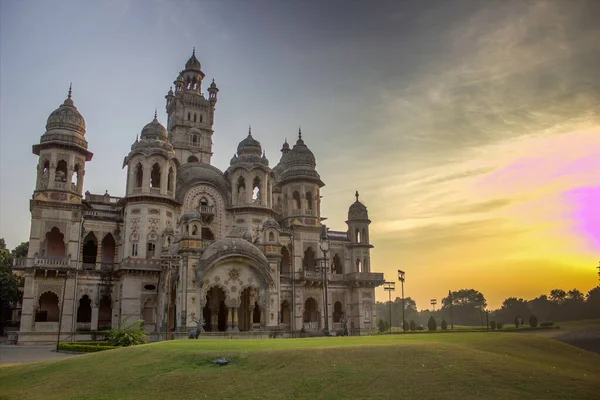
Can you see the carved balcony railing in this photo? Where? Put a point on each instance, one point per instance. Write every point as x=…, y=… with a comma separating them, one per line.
x=311, y=326
x=154, y=190
x=42, y=262
x=137, y=190
x=366, y=278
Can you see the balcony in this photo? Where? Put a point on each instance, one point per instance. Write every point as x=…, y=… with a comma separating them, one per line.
x=155, y=191
x=366, y=278
x=42, y=262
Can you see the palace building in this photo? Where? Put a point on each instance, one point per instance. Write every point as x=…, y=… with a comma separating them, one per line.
x=235, y=252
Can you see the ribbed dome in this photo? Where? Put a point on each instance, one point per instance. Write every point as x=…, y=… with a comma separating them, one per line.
x=271, y=223
x=249, y=146
x=193, y=62
x=66, y=117
x=357, y=210
x=300, y=155
x=154, y=131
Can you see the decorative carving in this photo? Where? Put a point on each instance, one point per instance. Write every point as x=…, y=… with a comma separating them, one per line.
x=154, y=211
x=135, y=211
x=36, y=212
x=234, y=274
x=170, y=215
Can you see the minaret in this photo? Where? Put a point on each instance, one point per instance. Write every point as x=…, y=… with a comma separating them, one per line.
x=191, y=115
x=358, y=230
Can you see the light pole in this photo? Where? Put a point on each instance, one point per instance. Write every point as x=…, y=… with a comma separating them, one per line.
x=390, y=287
x=433, y=303
x=401, y=275
x=325, y=249
x=62, y=306
x=451, y=320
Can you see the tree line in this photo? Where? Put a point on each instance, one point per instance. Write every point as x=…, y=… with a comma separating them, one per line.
x=469, y=307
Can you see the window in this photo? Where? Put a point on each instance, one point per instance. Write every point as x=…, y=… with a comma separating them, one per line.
x=139, y=175
x=194, y=117
x=309, y=200
x=150, y=250
x=271, y=237
x=189, y=114
x=134, y=250
x=155, y=176
x=170, y=180
x=61, y=171
x=296, y=201
x=192, y=159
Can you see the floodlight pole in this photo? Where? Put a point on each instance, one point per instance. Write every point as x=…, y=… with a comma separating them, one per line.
x=325, y=250
x=390, y=287
x=62, y=306
x=433, y=303
x=401, y=275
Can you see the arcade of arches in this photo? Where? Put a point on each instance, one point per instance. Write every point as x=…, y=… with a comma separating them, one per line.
x=218, y=317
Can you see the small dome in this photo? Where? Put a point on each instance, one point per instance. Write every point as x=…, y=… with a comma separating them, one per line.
x=66, y=117
x=249, y=146
x=264, y=159
x=234, y=160
x=357, y=210
x=271, y=223
x=300, y=155
x=193, y=62
x=213, y=85
x=154, y=131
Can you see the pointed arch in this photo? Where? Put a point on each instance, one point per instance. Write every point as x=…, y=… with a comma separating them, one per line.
x=363, y=236
x=47, y=308
x=309, y=261
x=357, y=236
x=284, y=264
x=241, y=190
x=171, y=180
x=296, y=200
x=155, y=175
x=309, y=200
x=108, y=249
x=55, y=244
x=336, y=266
x=139, y=175
x=256, y=187
x=90, y=248
x=359, y=265
x=60, y=175
x=75, y=176
x=366, y=264
x=84, y=310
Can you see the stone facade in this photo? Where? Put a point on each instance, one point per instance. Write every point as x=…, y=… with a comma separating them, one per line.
x=189, y=246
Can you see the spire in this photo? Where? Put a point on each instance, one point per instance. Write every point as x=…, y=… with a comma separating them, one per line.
x=194, y=51
x=155, y=114
x=299, y=133
x=356, y=194
x=249, y=130
x=70, y=91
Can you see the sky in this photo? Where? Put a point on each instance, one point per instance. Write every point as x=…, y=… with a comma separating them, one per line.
x=471, y=129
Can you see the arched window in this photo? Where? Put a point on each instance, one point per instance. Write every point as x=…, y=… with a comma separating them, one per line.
x=90, y=248
x=108, y=249
x=61, y=171
x=363, y=236
x=310, y=310
x=271, y=237
x=201, y=117
x=241, y=190
x=55, y=245
x=75, y=176
x=296, y=201
x=337, y=311
x=194, y=115
x=309, y=262
x=336, y=266
x=194, y=230
x=170, y=180
x=285, y=312
x=47, y=310
x=309, y=200
x=104, y=314
x=84, y=311
x=139, y=175
x=189, y=114
x=358, y=265
x=256, y=189
x=358, y=236
x=284, y=264
x=44, y=174
x=192, y=159
x=155, y=176
x=366, y=264
x=150, y=250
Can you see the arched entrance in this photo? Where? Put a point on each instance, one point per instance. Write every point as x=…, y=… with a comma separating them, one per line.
x=311, y=314
x=215, y=312
x=55, y=245
x=250, y=313
x=90, y=249
x=48, y=310
x=104, y=314
x=285, y=313
x=108, y=249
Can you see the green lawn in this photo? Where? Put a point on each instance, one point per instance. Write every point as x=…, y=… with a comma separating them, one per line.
x=466, y=366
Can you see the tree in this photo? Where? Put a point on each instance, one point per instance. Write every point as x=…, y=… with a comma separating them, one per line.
x=412, y=325
x=9, y=284
x=431, y=324
x=444, y=325
x=467, y=305
x=492, y=325
x=533, y=322
x=558, y=296
x=405, y=326
x=592, y=303
x=21, y=250
x=381, y=325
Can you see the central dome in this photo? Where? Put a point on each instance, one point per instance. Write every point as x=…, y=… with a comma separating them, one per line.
x=154, y=131
x=66, y=117
x=193, y=62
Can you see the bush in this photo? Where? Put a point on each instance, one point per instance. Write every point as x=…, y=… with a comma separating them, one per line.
x=499, y=325
x=85, y=347
x=533, y=322
x=129, y=335
x=431, y=324
x=444, y=325
x=405, y=326
x=547, y=324
x=412, y=325
x=493, y=325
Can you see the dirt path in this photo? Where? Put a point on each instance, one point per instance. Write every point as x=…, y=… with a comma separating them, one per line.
x=11, y=354
x=584, y=337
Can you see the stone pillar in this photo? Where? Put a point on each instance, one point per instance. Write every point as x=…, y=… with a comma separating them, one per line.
x=262, y=318
x=234, y=314
x=94, y=325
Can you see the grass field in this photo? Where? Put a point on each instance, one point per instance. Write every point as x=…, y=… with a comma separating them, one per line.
x=465, y=366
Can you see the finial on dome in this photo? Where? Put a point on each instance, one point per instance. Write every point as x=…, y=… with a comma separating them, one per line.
x=194, y=50
x=70, y=91
x=299, y=133
x=136, y=137
x=249, y=130
x=356, y=194
x=155, y=113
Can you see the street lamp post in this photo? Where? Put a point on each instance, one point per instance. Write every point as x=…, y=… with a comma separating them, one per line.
x=325, y=249
x=401, y=275
x=390, y=287
x=433, y=303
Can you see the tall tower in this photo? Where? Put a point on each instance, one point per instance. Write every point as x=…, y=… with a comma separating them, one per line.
x=358, y=229
x=191, y=115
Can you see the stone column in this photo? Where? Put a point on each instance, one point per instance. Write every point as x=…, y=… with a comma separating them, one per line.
x=94, y=325
x=262, y=318
x=234, y=314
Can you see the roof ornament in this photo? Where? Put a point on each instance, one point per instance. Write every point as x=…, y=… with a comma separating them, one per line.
x=136, y=137
x=70, y=87
x=249, y=130
x=299, y=133
x=155, y=113
x=356, y=194
x=194, y=51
